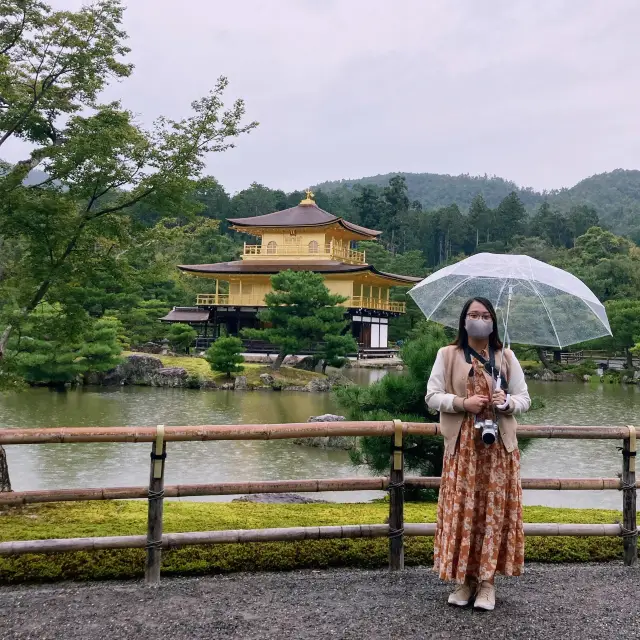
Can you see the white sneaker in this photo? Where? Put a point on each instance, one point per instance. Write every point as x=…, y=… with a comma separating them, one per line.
x=463, y=593
x=486, y=597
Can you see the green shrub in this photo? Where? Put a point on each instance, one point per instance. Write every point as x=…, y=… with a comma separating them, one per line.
x=129, y=518
x=225, y=356
x=585, y=368
x=533, y=369
x=181, y=336
x=400, y=397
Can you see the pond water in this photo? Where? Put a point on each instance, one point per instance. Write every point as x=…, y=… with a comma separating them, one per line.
x=106, y=464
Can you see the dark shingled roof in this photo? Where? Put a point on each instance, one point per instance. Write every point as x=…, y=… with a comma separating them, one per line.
x=186, y=314
x=301, y=216
x=268, y=268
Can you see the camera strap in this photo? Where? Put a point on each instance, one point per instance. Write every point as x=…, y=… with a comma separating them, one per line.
x=489, y=365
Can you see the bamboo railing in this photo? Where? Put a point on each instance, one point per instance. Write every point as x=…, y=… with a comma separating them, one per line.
x=396, y=530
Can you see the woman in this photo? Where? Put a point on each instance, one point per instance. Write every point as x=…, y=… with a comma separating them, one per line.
x=479, y=531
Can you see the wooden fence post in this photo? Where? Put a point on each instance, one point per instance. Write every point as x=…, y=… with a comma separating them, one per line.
x=628, y=483
x=396, y=501
x=156, y=504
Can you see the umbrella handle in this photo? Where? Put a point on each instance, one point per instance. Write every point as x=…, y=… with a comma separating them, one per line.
x=506, y=332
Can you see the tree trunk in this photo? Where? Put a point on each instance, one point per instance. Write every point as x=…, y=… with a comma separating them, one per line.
x=324, y=367
x=543, y=357
x=4, y=340
x=279, y=360
x=5, y=481
x=629, y=355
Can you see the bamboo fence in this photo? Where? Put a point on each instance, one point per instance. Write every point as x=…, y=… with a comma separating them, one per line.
x=155, y=540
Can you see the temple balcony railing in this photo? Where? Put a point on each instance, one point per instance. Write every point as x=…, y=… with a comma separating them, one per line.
x=224, y=300
x=355, y=302
x=311, y=250
x=360, y=302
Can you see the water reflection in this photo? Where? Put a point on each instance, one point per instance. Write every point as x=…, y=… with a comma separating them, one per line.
x=106, y=464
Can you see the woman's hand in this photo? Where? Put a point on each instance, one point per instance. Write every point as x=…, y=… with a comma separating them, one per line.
x=475, y=404
x=499, y=398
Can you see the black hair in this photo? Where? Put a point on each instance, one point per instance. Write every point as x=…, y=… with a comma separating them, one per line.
x=462, y=340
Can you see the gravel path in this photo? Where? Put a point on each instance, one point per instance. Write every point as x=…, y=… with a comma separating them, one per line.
x=550, y=601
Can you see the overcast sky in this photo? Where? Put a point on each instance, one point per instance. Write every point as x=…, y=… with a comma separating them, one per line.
x=543, y=92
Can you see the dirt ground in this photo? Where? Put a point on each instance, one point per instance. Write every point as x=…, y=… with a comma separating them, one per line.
x=551, y=601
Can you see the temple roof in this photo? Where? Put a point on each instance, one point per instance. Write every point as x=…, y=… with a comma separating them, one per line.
x=255, y=267
x=304, y=215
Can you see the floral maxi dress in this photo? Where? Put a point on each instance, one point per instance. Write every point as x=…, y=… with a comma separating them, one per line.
x=479, y=531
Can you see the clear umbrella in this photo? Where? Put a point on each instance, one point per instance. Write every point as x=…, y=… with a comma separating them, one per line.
x=536, y=303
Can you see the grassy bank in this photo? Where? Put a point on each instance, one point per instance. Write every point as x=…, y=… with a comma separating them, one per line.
x=199, y=368
x=129, y=518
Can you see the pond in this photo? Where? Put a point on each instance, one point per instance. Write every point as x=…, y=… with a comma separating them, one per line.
x=106, y=464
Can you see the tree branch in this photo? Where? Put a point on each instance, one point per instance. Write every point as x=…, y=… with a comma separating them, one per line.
x=19, y=32
x=124, y=205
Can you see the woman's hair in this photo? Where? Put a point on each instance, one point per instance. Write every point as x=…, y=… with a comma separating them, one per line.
x=462, y=341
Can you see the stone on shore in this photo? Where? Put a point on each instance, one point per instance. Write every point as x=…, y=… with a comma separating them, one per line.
x=279, y=498
x=345, y=443
x=240, y=383
x=267, y=379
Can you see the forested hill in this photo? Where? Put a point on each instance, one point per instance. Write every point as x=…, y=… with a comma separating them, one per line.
x=435, y=190
x=615, y=195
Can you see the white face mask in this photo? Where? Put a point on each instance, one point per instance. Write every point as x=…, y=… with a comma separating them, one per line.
x=478, y=328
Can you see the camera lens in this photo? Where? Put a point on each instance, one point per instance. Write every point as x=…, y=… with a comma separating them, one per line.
x=488, y=437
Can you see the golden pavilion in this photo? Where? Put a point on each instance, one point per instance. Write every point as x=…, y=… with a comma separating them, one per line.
x=303, y=238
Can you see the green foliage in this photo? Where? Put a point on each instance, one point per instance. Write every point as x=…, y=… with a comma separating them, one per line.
x=615, y=196
x=300, y=313
x=55, y=348
x=181, y=336
x=224, y=356
x=129, y=518
x=585, y=368
x=334, y=349
x=64, y=234
x=624, y=317
x=400, y=397
x=141, y=323
x=101, y=348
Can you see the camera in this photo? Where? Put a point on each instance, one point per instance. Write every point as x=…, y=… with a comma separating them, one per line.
x=489, y=430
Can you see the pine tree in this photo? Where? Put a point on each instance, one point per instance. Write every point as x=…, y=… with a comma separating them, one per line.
x=181, y=336
x=224, y=356
x=301, y=313
x=100, y=350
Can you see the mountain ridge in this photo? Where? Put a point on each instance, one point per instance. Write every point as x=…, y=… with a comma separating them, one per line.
x=614, y=194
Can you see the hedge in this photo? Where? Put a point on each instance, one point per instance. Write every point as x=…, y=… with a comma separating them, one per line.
x=129, y=518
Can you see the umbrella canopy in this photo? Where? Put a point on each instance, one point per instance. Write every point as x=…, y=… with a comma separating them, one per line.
x=547, y=306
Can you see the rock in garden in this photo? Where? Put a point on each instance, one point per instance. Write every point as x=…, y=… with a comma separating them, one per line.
x=241, y=383
x=279, y=498
x=136, y=369
x=150, y=347
x=267, y=379
x=308, y=363
x=170, y=377
x=345, y=443
x=319, y=385
x=327, y=417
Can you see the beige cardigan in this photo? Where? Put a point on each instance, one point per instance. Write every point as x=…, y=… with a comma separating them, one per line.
x=448, y=384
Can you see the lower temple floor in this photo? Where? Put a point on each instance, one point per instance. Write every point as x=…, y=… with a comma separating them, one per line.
x=369, y=328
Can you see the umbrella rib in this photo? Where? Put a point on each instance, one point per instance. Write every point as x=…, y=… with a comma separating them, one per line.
x=504, y=323
x=446, y=295
x=544, y=304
